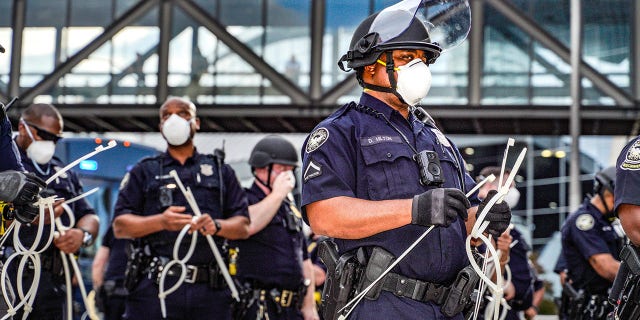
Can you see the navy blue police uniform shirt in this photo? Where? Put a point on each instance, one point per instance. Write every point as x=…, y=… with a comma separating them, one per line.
x=10, y=156
x=117, y=265
x=66, y=186
x=628, y=175
x=140, y=194
x=586, y=233
x=273, y=257
x=522, y=274
x=356, y=154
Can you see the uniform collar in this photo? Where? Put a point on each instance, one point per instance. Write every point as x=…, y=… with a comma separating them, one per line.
x=376, y=104
x=168, y=159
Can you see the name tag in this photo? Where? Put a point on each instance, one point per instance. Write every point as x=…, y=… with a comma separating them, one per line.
x=369, y=141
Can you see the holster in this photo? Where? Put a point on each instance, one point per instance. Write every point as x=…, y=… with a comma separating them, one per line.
x=628, y=300
x=136, y=263
x=572, y=303
x=343, y=276
x=460, y=292
x=379, y=261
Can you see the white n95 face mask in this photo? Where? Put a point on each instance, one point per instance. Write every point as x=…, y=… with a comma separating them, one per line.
x=512, y=197
x=39, y=151
x=176, y=130
x=414, y=81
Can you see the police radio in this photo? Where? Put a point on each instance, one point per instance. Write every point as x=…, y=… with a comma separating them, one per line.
x=430, y=169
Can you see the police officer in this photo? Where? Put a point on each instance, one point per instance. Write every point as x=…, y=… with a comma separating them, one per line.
x=39, y=129
x=18, y=191
x=274, y=260
x=591, y=248
x=10, y=156
x=152, y=211
x=107, y=272
x=525, y=289
x=375, y=176
x=626, y=291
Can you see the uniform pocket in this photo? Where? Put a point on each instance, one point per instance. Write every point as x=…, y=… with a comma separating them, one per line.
x=390, y=170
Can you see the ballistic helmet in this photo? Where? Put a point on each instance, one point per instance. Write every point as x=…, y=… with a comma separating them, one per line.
x=605, y=180
x=273, y=149
x=428, y=25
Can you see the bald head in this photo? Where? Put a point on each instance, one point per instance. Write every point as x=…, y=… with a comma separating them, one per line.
x=44, y=115
x=180, y=103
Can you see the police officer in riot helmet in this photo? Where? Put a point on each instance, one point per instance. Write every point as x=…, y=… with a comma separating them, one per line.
x=591, y=248
x=273, y=263
x=377, y=173
x=625, y=293
x=152, y=211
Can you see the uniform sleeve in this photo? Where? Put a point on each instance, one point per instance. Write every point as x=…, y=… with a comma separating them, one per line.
x=628, y=175
x=589, y=242
x=107, y=240
x=130, y=196
x=328, y=165
x=10, y=156
x=235, y=198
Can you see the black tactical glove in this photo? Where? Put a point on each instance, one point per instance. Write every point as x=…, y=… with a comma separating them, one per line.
x=19, y=187
x=29, y=192
x=499, y=216
x=439, y=207
x=26, y=213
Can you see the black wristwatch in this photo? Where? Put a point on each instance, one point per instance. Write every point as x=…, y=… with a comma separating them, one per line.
x=218, y=226
x=87, y=239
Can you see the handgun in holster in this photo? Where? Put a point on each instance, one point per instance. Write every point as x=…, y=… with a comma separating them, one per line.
x=572, y=301
x=343, y=275
x=461, y=292
x=135, y=267
x=627, y=296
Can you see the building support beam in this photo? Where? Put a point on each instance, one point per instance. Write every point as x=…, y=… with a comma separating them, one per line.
x=162, y=89
x=51, y=79
x=531, y=27
x=17, y=27
x=278, y=80
x=317, y=36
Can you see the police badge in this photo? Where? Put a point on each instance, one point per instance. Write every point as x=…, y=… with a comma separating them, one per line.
x=206, y=169
x=632, y=160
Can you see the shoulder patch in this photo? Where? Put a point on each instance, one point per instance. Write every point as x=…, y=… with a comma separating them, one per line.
x=632, y=159
x=125, y=181
x=317, y=139
x=585, y=222
x=313, y=170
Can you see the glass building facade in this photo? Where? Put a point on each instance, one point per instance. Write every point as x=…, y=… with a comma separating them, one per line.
x=270, y=66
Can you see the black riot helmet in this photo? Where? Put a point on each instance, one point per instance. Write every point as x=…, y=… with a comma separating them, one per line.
x=408, y=25
x=605, y=180
x=273, y=149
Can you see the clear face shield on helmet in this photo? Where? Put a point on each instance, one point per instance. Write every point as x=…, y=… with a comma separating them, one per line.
x=446, y=21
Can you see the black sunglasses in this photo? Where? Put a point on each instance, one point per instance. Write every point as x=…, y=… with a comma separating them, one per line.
x=44, y=134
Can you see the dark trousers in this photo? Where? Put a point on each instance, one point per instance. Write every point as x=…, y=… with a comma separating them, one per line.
x=192, y=301
x=50, y=299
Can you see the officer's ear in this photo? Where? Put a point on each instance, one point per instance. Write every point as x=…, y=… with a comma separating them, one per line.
x=197, y=123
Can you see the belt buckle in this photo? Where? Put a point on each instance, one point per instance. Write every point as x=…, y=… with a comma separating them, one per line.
x=285, y=298
x=194, y=274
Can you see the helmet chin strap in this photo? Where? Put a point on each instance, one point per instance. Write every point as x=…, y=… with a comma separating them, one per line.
x=267, y=184
x=392, y=79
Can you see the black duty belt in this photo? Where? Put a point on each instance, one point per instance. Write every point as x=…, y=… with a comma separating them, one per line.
x=195, y=274
x=415, y=289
